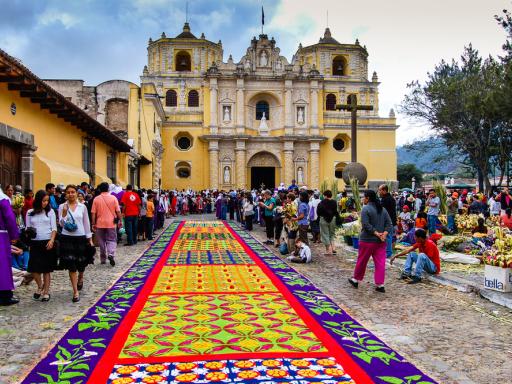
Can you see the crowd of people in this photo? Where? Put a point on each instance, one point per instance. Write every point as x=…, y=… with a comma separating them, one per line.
x=60, y=227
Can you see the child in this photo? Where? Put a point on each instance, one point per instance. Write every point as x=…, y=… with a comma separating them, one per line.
x=421, y=219
x=304, y=253
x=404, y=217
x=427, y=260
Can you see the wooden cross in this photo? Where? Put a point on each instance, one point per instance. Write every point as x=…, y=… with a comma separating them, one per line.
x=353, y=108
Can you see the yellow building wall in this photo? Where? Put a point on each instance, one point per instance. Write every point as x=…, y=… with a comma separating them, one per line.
x=197, y=156
x=101, y=163
x=58, y=158
x=375, y=150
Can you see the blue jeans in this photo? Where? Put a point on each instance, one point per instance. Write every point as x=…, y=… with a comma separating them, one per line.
x=223, y=212
x=432, y=221
x=451, y=223
x=21, y=262
x=389, y=243
x=423, y=263
x=130, y=223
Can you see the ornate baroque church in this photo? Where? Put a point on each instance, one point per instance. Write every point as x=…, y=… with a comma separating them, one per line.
x=265, y=119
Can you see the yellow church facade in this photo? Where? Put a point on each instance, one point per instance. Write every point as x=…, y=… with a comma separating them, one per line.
x=265, y=120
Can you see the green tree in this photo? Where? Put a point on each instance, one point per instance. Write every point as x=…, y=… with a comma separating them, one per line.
x=459, y=102
x=405, y=173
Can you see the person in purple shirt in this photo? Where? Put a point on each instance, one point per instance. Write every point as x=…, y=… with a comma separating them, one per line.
x=8, y=231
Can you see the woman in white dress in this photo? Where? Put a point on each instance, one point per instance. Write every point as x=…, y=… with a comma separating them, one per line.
x=75, y=239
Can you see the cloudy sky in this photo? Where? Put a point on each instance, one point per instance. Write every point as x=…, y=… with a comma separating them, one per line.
x=98, y=40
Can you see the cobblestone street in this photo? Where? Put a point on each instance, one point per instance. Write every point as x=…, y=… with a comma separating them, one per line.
x=455, y=337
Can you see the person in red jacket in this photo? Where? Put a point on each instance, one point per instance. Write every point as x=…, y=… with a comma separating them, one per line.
x=131, y=210
x=427, y=260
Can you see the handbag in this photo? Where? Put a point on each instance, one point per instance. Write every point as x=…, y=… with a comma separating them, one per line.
x=70, y=225
x=339, y=220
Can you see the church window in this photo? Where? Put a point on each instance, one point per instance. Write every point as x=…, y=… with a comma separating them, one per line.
x=193, y=98
x=339, y=66
x=183, y=141
x=183, y=170
x=330, y=102
x=338, y=144
x=338, y=171
x=262, y=108
x=183, y=62
x=171, y=98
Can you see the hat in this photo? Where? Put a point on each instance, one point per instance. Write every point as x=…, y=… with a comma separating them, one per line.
x=455, y=195
x=406, y=208
x=410, y=198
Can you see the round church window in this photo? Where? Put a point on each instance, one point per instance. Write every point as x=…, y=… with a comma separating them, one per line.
x=184, y=143
x=338, y=144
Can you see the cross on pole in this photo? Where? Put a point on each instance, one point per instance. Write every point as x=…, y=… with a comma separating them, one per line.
x=353, y=108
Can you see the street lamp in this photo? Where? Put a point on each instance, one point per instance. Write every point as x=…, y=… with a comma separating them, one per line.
x=413, y=183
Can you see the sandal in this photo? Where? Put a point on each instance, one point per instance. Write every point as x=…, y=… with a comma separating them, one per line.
x=75, y=299
x=46, y=298
x=37, y=295
x=80, y=285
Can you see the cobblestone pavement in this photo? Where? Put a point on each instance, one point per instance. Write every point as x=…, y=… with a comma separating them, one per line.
x=455, y=337
x=29, y=329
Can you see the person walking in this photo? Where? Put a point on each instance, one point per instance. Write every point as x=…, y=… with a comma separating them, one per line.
x=376, y=225
x=8, y=231
x=74, y=239
x=131, y=210
x=106, y=218
x=42, y=260
x=327, y=211
x=389, y=203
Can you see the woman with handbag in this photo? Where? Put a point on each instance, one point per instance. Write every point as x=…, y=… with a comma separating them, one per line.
x=41, y=218
x=75, y=239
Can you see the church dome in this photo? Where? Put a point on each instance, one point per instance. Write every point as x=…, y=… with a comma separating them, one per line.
x=328, y=39
x=186, y=34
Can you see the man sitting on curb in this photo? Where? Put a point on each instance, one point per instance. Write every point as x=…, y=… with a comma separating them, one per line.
x=427, y=260
x=304, y=253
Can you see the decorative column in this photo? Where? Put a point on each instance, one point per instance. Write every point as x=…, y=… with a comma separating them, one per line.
x=314, y=160
x=213, y=149
x=241, y=166
x=240, y=126
x=288, y=108
x=289, y=171
x=314, y=107
x=213, y=105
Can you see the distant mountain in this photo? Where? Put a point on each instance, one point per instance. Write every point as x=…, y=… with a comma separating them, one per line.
x=430, y=156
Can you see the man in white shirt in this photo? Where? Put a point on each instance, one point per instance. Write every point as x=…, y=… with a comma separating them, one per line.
x=313, y=216
x=433, y=207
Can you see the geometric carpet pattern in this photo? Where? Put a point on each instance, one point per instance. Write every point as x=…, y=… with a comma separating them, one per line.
x=207, y=303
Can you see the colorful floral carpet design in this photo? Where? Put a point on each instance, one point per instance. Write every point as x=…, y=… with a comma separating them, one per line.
x=208, y=303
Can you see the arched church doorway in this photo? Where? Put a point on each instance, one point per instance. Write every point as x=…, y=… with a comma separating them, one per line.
x=264, y=168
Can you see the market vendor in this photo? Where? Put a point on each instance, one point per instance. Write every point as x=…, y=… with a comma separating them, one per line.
x=427, y=260
x=481, y=228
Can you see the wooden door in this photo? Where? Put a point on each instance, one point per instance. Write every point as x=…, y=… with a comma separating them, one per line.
x=10, y=163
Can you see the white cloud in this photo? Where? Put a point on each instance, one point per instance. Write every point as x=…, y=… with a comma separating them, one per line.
x=405, y=39
x=51, y=16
